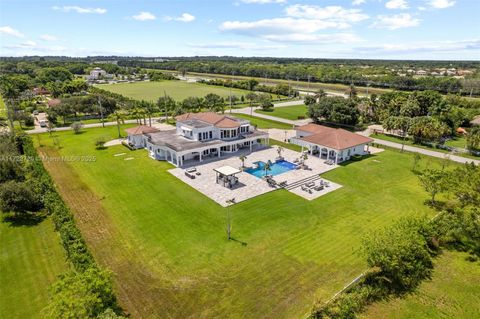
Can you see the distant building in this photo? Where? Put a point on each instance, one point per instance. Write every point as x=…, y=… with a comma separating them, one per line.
x=421, y=72
x=97, y=73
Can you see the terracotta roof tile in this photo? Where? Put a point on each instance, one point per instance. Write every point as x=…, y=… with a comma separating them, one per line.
x=141, y=129
x=338, y=139
x=221, y=121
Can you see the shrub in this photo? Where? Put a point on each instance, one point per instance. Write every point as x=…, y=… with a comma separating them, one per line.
x=76, y=127
x=100, y=143
x=86, y=294
x=17, y=197
x=402, y=252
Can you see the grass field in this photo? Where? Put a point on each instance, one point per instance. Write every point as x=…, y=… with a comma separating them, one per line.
x=264, y=123
x=396, y=139
x=31, y=258
x=178, y=90
x=288, y=112
x=458, y=142
x=3, y=109
x=300, y=85
x=452, y=292
x=166, y=242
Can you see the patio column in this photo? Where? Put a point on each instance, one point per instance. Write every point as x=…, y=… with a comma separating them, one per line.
x=218, y=152
x=200, y=153
x=250, y=144
x=336, y=157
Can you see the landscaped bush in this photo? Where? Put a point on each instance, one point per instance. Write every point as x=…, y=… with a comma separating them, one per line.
x=86, y=294
x=18, y=197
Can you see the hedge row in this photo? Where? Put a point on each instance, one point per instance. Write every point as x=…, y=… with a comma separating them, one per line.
x=72, y=241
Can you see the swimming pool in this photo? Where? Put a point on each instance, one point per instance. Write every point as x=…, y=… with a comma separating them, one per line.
x=276, y=168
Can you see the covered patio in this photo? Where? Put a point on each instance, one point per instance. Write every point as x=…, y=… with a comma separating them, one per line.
x=226, y=176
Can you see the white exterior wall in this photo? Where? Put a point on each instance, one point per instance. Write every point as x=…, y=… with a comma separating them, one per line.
x=138, y=141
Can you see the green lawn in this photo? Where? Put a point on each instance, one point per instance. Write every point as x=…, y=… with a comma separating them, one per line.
x=453, y=292
x=30, y=260
x=458, y=142
x=287, y=112
x=166, y=243
x=3, y=109
x=264, y=123
x=396, y=139
x=178, y=90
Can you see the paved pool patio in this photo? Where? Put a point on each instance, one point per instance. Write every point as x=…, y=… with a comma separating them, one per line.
x=250, y=186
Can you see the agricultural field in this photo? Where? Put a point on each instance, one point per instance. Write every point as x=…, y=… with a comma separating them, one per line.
x=166, y=243
x=178, y=90
x=287, y=112
x=452, y=292
x=31, y=259
x=297, y=85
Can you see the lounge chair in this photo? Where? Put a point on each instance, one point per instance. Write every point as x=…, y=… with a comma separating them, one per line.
x=310, y=184
x=191, y=170
x=190, y=175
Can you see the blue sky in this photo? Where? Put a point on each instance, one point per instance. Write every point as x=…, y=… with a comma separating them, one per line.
x=386, y=29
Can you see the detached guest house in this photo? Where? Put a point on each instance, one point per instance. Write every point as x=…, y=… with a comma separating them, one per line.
x=333, y=144
x=198, y=136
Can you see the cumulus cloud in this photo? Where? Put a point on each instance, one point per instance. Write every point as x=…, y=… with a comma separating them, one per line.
x=184, y=17
x=144, y=16
x=441, y=4
x=48, y=37
x=8, y=30
x=395, y=21
x=301, y=24
x=331, y=13
x=396, y=4
x=263, y=1
x=81, y=10
x=358, y=2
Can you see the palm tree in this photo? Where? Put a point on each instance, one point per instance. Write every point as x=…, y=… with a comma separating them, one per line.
x=279, y=151
x=119, y=116
x=267, y=167
x=243, y=158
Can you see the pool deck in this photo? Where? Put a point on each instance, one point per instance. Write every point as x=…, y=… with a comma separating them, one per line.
x=250, y=186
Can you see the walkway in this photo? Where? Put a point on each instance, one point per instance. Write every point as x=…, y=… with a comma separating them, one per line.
x=423, y=151
x=92, y=125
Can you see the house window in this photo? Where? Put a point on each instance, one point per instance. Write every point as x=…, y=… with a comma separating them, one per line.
x=210, y=134
x=199, y=136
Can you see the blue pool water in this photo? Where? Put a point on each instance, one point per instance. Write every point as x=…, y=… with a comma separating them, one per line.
x=275, y=169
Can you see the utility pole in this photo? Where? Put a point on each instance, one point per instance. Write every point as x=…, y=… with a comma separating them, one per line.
x=229, y=220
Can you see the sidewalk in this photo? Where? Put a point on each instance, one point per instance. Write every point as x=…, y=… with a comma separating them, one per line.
x=423, y=151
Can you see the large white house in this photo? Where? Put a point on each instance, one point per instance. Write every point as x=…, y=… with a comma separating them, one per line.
x=97, y=74
x=333, y=144
x=198, y=136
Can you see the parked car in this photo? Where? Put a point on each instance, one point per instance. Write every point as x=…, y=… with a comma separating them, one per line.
x=43, y=123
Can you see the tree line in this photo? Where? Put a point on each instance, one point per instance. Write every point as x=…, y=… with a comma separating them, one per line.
x=343, y=72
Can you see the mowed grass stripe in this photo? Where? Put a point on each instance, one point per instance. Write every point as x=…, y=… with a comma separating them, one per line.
x=30, y=261
x=178, y=90
x=167, y=245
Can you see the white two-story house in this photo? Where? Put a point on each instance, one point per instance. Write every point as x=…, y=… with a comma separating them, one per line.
x=202, y=135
